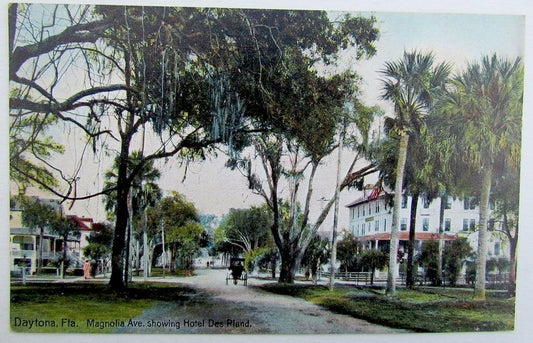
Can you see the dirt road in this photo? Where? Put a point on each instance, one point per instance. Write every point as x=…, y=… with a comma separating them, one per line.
x=228, y=309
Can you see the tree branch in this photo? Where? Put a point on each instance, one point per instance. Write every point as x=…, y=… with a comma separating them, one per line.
x=68, y=104
x=62, y=196
x=77, y=34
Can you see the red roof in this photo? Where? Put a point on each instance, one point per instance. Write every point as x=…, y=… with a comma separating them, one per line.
x=355, y=202
x=404, y=236
x=85, y=224
x=376, y=193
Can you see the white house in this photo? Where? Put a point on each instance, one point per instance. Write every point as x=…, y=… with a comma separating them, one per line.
x=25, y=243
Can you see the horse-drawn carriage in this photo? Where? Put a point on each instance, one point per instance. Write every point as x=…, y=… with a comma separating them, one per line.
x=236, y=271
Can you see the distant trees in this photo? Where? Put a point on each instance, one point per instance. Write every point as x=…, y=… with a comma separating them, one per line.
x=348, y=250
x=41, y=215
x=221, y=245
x=247, y=229
x=38, y=215
x=66, y=228
x=185, y=242
x=100, y=242
x=246, y=232
x=316, y=254
x=427, y=259
x=373, y=259
x=455, y=254
x=177, y=221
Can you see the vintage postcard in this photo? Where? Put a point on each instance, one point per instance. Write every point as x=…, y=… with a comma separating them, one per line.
x=242, y=170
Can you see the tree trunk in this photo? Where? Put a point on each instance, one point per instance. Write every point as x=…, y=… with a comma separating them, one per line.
x=117, y=281
x=398, y=187
x=289, y=262
x=40, y=259
x=172, y=258
x=410, y=277
x=513, y=241
x=314, y=271
x=64, y=257
x=118, y=278
x=336, y=215
x=441, y=239
x=479, y=291
x=127, y=267
x=146, y=250
x=333, y=260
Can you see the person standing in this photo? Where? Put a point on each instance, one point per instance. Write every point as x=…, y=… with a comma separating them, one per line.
x=87, y=269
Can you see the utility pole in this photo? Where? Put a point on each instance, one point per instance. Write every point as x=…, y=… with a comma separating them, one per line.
x=333, y=258
x=145, y=246
x=163, y=255
x=128, y=240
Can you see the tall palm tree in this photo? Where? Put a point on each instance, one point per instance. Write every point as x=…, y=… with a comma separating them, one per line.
x=144, y=191
x=441, y=166
x=410, y=84
x=487, y=102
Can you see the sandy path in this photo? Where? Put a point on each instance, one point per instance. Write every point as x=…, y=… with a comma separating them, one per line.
x=238, y=309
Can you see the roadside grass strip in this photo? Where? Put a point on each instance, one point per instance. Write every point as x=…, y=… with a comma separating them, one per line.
x=424, y=310
x=86, y=308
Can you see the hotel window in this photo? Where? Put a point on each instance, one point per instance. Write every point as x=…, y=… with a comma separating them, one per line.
x=376, y=225
x=377, y=206
x=465, y=224
x=369, y=209
x=404, y=201
x=363, y=210
x=425, y=202
x=448, y=204
x=384, y=224
x=472, y=224
x=470, y=203
x=363, y=229
x=425, y=224
x=403, y=224
x=497, y=249
x=447, y=224
x=358, y=215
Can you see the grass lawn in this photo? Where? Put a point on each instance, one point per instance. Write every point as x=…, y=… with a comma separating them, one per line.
x=85, y=308
x=423, y=310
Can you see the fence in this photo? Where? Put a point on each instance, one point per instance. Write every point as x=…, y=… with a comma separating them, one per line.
x=357, y=277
